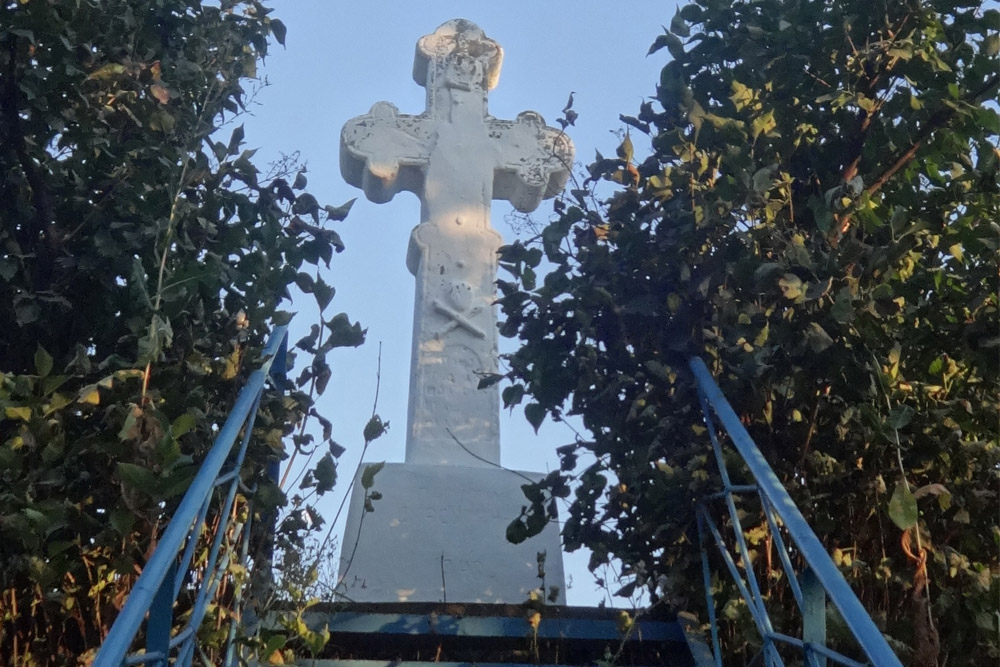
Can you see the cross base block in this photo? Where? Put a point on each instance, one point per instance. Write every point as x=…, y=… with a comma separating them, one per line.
x=437, y=534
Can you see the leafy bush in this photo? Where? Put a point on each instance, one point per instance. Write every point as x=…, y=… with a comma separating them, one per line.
x=816, y=221
x=143, y=259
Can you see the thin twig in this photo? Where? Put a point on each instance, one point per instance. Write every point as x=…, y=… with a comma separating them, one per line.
x=350, y=486
x=906, y=483
x=357, y=541
x=487, y=461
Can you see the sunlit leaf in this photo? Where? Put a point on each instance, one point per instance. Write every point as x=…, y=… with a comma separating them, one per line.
x=903, y=507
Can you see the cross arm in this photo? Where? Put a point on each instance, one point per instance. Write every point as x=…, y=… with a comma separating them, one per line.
x=384, y=152
x=535, y=160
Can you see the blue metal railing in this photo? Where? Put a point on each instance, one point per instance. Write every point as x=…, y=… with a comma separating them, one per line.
x=157, y=588
x=820, y=580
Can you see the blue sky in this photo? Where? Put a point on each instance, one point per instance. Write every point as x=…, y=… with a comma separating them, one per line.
x=339, y=59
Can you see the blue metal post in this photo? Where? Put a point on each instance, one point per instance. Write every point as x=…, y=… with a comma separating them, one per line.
x=813, y=614
x=706, y=575
x=161, y=619
x=756, y=599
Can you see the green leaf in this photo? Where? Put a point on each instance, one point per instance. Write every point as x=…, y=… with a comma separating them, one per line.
x=26, y=312
x=669, y=40
x=8, y=268
x=235, y=140
x=900, y=416
x=326, y=474
x=488, y=380
x=305, y=282
x=43, y=361
x=138, y=282
x=279, y=31
x=843, y=307
x=678, y=25
x=343, y=333
x=136, y=477
x=817, y=338
x=182, y=424
x=517, y=531
x=306, y=203
x=269, y=497
x=336, y=450
x=903, y=507
x=763, y=179
x=368, y=476
x=533, y=257
x=535, y=414
x=627, y=590
x=338, y=213
x=765, y=271
x=375, y=428
x=275, y=643
x=176, y=481
x=658, y=43
x=625, y=151
x=512, y=395
x=161, y=121
x=659, y=371
x=168, y=453
x=988, y=118
x=936, y=366
x=323, y=293
x=528, y=278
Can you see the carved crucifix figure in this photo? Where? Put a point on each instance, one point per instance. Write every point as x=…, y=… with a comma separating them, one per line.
x=456, y=158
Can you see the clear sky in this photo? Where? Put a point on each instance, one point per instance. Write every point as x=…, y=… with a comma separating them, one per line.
x=339, y=59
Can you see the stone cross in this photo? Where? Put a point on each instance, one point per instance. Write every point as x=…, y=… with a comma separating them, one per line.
x=456, y=158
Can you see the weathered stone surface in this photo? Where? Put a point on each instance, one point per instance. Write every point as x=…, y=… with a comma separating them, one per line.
x=456, y=158
x=437, y=535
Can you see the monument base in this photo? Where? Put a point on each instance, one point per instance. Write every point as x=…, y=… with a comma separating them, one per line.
x=438, y=534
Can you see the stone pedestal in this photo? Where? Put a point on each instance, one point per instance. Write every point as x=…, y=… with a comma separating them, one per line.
x=437, y=534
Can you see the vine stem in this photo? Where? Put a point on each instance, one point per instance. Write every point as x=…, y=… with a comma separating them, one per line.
x=364, y=450
x=906, y=485
x=157, y=299
x=305, y=419
x=169, y=235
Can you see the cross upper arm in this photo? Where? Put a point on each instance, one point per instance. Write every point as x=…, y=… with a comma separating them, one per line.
x=535, y=160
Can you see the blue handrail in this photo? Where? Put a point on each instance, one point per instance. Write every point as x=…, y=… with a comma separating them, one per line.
x=821, y=569
x=157, y=587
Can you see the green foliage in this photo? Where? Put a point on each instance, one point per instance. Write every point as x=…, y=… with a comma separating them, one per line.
x=816, y=221
x=143, y=258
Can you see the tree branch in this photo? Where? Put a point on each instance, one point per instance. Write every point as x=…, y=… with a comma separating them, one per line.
x=935, y=123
